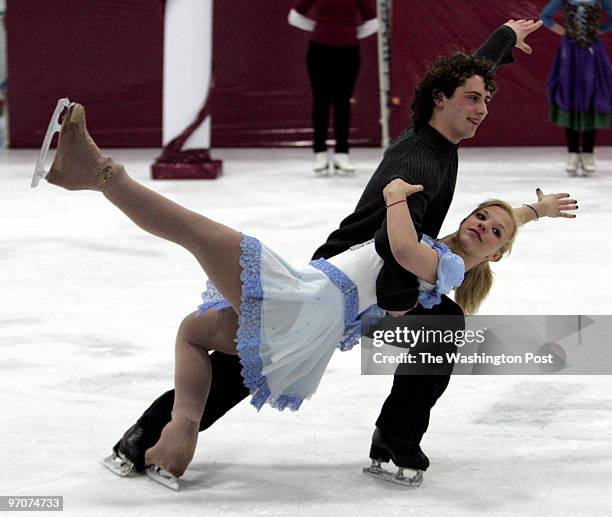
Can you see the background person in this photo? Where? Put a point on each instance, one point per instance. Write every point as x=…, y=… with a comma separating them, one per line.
x=580, y=81
x=333, y=62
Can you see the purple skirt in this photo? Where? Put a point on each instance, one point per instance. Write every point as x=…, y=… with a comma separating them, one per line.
x=580, y=87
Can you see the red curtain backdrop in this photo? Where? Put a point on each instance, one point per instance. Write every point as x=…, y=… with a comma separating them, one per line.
x=518, y=114
x=105, y=54
x=262, y=94
x=108, y=54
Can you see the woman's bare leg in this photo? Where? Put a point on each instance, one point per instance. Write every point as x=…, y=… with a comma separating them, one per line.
x=215, y=246
x=80, y=165
x=192, y=378
x=192, y=374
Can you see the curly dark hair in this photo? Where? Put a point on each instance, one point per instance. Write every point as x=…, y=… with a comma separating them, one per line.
x=447, y=74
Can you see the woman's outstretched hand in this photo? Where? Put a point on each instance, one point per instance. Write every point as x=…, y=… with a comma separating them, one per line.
x=398, y=189
x=555, y=205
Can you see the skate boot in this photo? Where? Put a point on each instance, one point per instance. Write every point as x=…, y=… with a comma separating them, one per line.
x=168, y=459
x=320, y=165
x=128, y=455
x=587, y=161
x=571, y=164
x=78, y=163
x=407, y=456
x=342, y=164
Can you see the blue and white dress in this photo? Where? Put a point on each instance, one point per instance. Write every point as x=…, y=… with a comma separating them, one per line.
x=292, y=319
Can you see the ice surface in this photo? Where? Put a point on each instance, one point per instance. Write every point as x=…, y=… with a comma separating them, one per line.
x=89, y=306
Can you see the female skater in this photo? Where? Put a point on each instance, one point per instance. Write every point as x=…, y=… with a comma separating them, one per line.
x=290, y=320
x=580, y=81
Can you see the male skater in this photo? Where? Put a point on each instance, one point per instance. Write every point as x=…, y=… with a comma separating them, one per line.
x=450, y=103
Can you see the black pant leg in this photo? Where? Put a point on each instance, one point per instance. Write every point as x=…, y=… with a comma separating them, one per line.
x=588, y=141
x=347, y=62
x=573, y=140
x=317, y=62
x=405, y=412
x=226, y=391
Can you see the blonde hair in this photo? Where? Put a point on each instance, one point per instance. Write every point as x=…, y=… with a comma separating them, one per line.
x=478, y=281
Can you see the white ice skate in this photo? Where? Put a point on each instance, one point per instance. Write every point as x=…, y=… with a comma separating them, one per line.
x=321, y=165
x=163, y=477
x=587, y=160
x=118, y=464
x=54, y=126
x=405, y=477
x=342, y=164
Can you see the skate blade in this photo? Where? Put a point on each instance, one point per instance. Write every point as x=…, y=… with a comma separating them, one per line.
x=163, y=477
x=344, y=172
x=54, y=127
x=118, y=464
x=385, y=475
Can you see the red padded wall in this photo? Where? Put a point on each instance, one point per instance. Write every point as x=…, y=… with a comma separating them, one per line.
x=108, y=54
x=263, y=94
x=105, y=54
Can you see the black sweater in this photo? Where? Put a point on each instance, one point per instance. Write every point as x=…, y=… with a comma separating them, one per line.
x=422, y=157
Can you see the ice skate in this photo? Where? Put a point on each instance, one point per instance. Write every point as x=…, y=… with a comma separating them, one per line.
x=572, y=163
x=320, y=165
x=163, y=477
x=405, y=477
x=78, y=163
x=587, y=160
x=168, y=459
x=342, y=164
x=128, y=456
x=40, y=171
x=118, y=464
x=406, y=455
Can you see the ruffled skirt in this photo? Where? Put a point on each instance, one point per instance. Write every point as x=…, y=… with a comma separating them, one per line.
x=291, y=321
x=580, y=87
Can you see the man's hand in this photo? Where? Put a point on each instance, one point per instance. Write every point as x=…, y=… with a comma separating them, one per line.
x=555, y=205
x=523, y=28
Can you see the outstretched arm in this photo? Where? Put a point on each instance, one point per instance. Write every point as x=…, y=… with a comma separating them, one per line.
x=498, y=47
x=412, y=255
x=522, y=29
x=548, y=205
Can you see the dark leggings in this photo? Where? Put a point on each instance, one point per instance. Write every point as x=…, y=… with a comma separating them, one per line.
x=573, y=140
x=333, y=72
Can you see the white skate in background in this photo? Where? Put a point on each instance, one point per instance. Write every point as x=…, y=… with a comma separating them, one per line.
x=54, y=126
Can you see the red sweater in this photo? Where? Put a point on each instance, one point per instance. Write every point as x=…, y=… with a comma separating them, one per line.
x=337, y=20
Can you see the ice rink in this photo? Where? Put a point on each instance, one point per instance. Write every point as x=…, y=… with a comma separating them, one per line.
x=90, y=304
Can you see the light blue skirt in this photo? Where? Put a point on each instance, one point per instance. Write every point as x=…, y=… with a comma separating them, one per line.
x=291, y=321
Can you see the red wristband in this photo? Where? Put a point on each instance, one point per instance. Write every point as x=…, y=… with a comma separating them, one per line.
x=397, y=203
